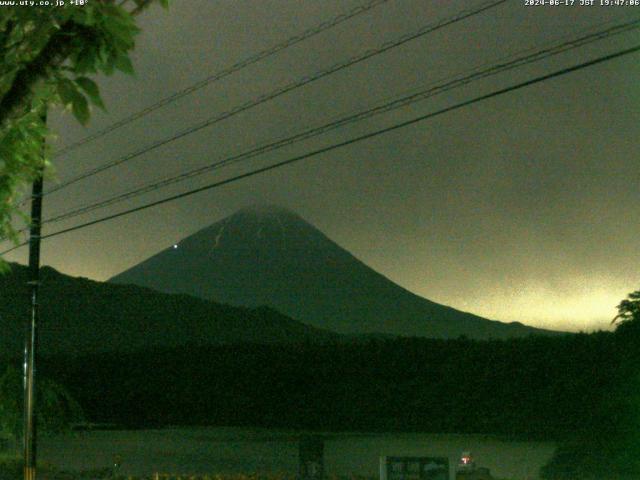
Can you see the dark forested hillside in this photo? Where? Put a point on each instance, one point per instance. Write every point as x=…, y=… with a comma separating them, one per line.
x=82, y=316
x=542, y=387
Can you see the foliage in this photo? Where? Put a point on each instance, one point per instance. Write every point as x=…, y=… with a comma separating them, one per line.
x=232, y=476
x=609, y=445
x=535, y=387
x=47, y=56
x=629, y=312
x=55, y=408
x=238, y=476
x=12, y=467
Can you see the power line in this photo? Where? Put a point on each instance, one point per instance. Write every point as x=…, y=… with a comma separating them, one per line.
x=285, y=89
x=311, y=32
x=345, y=143
x=538, y=54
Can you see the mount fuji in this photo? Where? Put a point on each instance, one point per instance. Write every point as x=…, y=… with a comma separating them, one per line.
x=270, y=256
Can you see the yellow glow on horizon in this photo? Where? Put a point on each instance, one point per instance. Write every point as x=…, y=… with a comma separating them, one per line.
x=588, y=306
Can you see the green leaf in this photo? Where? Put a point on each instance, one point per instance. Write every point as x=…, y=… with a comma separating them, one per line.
x=42, y=93
x=80, y=109
x=105, y=58
x=89, y=86
x=84, y=16
x=85, y=60
x=164, y=3
x=70, y=95
x=121, y=30
x=67, y=91
x=123, y=63
x=91, y=89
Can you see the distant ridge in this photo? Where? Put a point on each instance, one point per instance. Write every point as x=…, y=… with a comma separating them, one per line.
x=268, y=255
x=80, y=316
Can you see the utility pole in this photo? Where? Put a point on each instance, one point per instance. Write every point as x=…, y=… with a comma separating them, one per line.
x=31, y=336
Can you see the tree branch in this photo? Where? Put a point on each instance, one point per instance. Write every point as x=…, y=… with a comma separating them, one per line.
x=17, y=100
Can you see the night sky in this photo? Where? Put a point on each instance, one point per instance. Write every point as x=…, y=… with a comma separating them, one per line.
x=523, y=207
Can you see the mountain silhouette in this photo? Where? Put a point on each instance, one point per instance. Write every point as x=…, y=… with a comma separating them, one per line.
x=271, y=256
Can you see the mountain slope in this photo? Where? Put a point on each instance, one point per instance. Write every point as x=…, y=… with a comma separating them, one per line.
x=270, y=256
x=83, y=316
